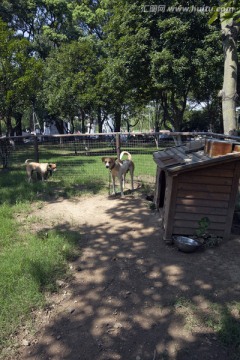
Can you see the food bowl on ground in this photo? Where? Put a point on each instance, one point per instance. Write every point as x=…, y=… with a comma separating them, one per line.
x=186, y=244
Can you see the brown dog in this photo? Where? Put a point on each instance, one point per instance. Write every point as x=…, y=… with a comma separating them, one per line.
x=119, y=168
x=43, y=170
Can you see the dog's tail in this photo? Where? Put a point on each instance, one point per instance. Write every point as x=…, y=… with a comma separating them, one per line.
x=27, y=161
x=125, y=153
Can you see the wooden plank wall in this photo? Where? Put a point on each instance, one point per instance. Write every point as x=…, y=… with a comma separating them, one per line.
x=203, y=193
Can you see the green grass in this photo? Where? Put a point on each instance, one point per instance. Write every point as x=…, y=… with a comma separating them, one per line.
x=30, y=263
x=223, y=319
x=75, y=175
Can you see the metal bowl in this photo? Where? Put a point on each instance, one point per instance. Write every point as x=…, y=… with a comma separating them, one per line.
x=186, y=244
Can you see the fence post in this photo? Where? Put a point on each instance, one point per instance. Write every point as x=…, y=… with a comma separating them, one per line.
x=36, y=152
x=118, y=145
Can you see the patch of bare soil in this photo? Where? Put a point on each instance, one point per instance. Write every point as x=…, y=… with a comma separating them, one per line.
x=130, y=295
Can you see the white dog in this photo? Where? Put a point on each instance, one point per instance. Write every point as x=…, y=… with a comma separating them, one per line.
x=119, y=168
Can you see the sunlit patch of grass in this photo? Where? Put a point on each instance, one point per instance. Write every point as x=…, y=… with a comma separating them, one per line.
x=30, y=264
x=224, y=320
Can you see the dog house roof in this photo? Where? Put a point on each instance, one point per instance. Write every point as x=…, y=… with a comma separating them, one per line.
x=196, y=154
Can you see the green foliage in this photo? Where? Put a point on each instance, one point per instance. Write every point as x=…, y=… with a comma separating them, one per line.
x=20, y=74
x=203, y=119
x=203, y=225
x=29, y=265
x=176, y=78
x=111, y=58
x=208, y=240
x=228, y=10
x=70, y=77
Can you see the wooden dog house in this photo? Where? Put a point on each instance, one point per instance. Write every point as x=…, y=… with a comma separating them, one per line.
x=195, y=181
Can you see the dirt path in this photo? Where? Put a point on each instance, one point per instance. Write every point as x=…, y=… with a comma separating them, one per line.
x=127, y=298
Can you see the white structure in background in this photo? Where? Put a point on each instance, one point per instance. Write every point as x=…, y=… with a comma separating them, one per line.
x=108, y=125
x=91, y=128
x=51, y=129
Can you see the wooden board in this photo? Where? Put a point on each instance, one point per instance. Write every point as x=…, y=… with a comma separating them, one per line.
x=203, y=210
x=186, y=194
x=236, y=147
x=199, y=179
x=232, y=201
x=217, y=147
x=189, y=231
x=207, y=188
x=200, y=202
x=197, y=217
x=165, y=159
x=194, y=225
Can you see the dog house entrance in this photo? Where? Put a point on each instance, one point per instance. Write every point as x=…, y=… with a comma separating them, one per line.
x=161, y=189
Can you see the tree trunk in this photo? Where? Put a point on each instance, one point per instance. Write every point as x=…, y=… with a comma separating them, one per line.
x=157, y=116
x=8, y=125
x=229, y=90
x=117, y=118
x=18, y=127
x=59, y=125
x=99, y=117
x=83, y=129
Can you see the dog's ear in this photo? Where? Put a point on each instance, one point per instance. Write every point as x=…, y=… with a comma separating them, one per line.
x=103, y=159
x=51, y=166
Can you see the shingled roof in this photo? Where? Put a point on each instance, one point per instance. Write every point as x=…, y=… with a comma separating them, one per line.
x=195, y=154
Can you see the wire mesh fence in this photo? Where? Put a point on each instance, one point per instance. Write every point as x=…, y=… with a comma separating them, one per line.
x=79, y=156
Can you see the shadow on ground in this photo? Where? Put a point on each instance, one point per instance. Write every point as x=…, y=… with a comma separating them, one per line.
x=133, y=297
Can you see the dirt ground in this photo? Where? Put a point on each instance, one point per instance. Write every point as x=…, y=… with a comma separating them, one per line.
x=126, y=298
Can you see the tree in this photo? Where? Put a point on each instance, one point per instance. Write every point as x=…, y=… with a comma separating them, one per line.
x=177, y=66
x=46, y=23
x=20, y=77
x=230, y=25
x=209, y=69
x=154, y=57
x=70, y=78
x=123, y=80
x=138, y=58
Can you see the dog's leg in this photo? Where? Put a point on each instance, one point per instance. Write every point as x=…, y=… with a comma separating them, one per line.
x=39, y=175
x=113, y=185
x=121, y=181
x=29, y=175
x=131, y=174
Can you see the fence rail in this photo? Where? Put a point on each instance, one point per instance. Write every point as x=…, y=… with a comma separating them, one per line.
x=79, y=155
